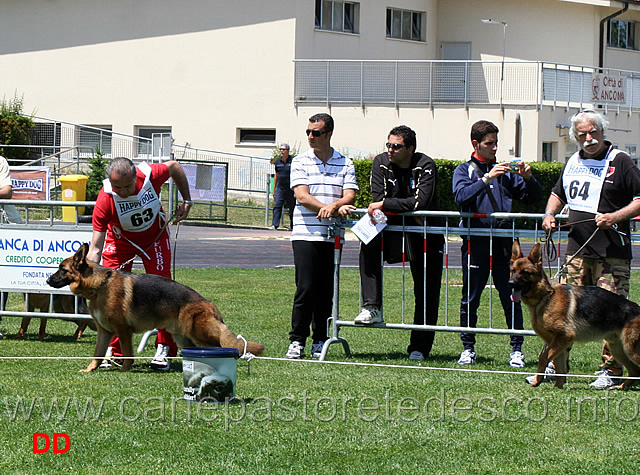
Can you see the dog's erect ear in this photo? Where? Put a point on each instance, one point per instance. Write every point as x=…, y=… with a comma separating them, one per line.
x=535, y=255
x=516, y=252
x=80, y=257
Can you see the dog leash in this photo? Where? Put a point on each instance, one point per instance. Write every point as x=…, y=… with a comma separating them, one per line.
x=247, y=356
x=563, y=269
x=144, y=251
x=551, y=252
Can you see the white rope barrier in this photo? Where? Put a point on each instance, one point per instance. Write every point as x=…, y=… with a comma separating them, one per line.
x=344, y=363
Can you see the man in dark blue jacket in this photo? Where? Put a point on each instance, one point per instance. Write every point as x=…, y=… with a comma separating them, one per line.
x=481, y=185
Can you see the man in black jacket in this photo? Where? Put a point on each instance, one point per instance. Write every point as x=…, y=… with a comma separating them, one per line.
x=404, y=180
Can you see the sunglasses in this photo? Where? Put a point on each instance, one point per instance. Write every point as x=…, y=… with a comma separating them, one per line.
x=395, y=146
x=283, y=149
x=315, y=133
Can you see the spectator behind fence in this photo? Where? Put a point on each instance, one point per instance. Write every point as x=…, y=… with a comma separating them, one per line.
x=282, y=192
x=404, y=180
x=324, y=181
x=481, y=185
x=601, y=185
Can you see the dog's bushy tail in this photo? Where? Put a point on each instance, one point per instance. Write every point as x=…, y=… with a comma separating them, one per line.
x=229, y=339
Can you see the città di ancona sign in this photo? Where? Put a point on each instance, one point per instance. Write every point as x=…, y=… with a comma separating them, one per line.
x=608, y=88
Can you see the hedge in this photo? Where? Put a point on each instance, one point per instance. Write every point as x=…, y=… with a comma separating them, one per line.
x=547, y=173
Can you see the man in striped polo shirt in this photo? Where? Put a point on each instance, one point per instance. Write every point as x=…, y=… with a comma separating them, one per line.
x=324, y=182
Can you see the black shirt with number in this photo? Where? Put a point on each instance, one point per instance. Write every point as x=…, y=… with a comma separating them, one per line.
x=621, y=186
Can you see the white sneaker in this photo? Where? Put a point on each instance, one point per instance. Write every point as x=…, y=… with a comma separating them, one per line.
x=160, y=361
x=467, y=357
x=296, y=350
x=516, y=359
x=605, y=380
x=416, y=356
x=316, y=349
x=549, y=375
x=107, y=360
x=369, y=315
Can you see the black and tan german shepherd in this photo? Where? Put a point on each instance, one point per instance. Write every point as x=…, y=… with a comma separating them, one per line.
x=125, y=303
x=562, y=314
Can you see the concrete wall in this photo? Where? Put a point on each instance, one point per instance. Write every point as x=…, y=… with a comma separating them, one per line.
x=209, y=67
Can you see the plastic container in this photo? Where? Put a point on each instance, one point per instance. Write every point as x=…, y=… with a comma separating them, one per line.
x=209, y=374
x=379, y=216
x=74, y=188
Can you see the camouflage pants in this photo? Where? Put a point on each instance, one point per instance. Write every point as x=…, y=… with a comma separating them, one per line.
x=610, y=273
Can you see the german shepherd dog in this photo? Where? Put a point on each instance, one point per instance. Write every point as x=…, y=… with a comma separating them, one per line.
x=562, y=314
x=61, y=304
x=125, y=303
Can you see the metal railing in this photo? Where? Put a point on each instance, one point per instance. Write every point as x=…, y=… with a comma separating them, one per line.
x=430, y=83
x=68, y=143
x=451, y=231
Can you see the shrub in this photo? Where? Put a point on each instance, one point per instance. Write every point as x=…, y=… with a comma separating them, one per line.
x=546, y=173
x=15, y=129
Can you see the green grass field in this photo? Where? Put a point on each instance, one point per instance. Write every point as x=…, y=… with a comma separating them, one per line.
x=384, y=415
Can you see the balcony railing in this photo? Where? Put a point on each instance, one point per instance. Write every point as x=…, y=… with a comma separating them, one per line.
x=467, y=83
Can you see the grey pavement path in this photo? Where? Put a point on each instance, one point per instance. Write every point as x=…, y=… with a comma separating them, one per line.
x=251, y=248
x=221, y=246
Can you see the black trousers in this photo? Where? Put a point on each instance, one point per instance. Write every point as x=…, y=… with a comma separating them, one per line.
x=474, y=279
x=283, y=196
x=426, y=310
x=313, y=300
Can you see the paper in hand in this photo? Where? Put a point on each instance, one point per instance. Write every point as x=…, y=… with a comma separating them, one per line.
x=365, y=229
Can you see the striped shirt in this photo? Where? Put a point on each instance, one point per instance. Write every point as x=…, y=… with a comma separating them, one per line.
x=326, y=182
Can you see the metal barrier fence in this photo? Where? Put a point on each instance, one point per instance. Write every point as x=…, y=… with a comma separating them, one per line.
x=39, y=217
x=452, y=232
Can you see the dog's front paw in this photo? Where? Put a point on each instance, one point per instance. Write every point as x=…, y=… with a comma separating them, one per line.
x=92, y=366
x=536, y=382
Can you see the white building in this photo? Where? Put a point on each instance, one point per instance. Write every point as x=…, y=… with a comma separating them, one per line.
x=241, y=76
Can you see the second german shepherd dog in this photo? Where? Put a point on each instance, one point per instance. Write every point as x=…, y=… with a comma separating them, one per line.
x=125, y=303
x=562, y=314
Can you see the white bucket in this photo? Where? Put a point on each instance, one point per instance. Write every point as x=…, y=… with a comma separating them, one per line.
x=209, y=374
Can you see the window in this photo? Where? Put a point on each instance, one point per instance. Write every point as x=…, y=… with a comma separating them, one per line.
x=337, y=16
x=405, y=25
x=548, y=151
x=146, y=147
x=256, y=136
x=631, y=150
x=91, y=137
x=622, y=34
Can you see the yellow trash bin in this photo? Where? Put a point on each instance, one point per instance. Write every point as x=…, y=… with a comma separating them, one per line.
x=74, y=188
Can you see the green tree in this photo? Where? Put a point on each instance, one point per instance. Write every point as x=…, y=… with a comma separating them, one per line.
x=15, y=128
x=97, y=173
